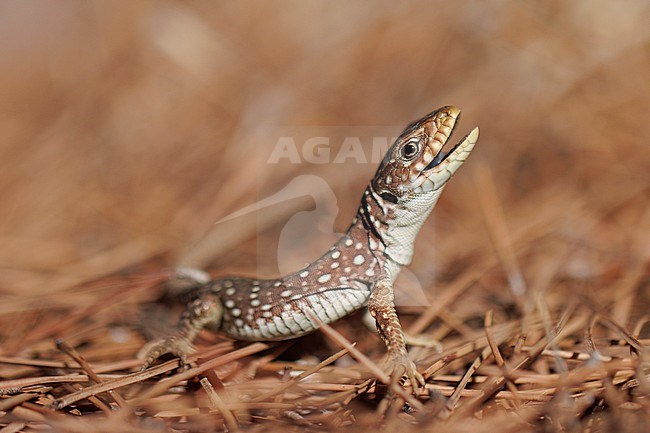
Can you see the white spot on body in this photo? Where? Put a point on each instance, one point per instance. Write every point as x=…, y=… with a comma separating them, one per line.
x=255, y=302
x=229, y=303
x=336, y=255
x=324, y=278
x=235, y=312
x=277, y=284
x=334, y=265
x=358, y=246
x=227, y=283
x=348, y=242
x=358, y=260
x=231, y=291
x=286, y=293
x=304, y=274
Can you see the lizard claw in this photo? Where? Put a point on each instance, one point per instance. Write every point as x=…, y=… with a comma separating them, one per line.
x=402, y=365
x=176, y=345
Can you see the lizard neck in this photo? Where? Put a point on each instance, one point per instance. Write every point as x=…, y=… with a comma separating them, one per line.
x=394, y=226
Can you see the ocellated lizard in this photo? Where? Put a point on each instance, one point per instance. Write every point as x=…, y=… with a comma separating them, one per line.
x=357, y=271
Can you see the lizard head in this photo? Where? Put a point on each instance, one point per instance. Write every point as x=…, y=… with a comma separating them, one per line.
x=415, y=166
x=411, y=177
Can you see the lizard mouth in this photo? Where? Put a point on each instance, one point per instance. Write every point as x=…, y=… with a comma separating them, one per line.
x=443, y=139
x=445, y=164
x=443, y=156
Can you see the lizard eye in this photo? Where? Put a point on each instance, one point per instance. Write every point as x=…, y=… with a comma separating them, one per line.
x=410, y=149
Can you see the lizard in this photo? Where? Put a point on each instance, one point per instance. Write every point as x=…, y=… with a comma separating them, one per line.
x=357, y=271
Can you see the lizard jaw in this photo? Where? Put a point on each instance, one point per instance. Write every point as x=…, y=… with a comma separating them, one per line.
x=444, y=165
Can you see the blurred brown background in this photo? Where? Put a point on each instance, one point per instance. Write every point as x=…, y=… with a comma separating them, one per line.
x=128, y=128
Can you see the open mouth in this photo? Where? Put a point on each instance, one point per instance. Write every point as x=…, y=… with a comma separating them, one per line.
x=463, y=146
x=442, y=154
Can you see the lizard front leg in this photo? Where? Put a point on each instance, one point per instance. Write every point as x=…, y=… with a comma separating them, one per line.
x=382, y=308
x=205, y=311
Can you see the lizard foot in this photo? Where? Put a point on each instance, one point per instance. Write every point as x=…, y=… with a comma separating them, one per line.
x=176, y=345
x=401, y=365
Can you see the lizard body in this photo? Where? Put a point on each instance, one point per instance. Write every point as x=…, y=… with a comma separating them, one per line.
x=357, y=271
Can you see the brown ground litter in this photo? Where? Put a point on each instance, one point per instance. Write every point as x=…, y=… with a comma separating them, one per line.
x=127, y=129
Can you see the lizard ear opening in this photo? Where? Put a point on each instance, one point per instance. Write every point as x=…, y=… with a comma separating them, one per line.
x=389, y=197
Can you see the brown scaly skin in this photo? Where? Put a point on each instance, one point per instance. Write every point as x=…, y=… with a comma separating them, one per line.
x=358, y=271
